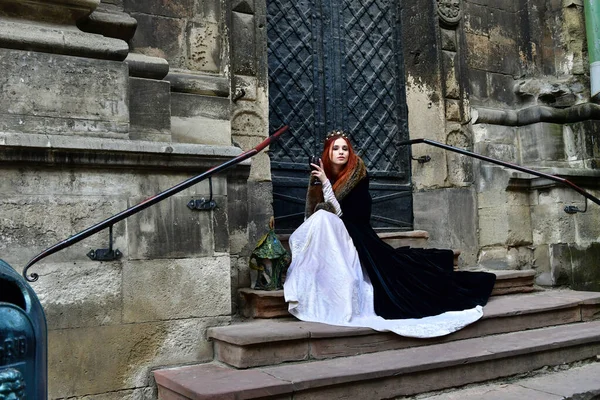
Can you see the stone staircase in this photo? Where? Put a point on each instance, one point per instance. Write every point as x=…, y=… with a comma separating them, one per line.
x=284, y=358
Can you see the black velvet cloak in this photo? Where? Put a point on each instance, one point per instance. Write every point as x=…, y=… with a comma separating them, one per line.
x=409, y=282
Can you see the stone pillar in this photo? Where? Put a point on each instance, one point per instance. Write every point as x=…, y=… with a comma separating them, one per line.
x=250, y=126
x=444, y=198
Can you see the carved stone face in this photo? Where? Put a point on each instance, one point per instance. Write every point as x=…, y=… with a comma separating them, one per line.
x=12, y=386
x=449, y=10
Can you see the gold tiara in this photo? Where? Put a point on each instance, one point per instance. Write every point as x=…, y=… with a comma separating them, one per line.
x=336, y=133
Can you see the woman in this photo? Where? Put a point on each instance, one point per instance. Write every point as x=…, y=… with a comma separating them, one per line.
x=343, y=274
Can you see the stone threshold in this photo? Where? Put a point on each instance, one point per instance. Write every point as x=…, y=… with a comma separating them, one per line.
x=389, y=373
x=269, y=342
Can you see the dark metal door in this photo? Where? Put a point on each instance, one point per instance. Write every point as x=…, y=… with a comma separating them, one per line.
x=337, y=64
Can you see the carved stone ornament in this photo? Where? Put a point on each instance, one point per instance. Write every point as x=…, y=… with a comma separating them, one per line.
x=12, y=385
x=449, y=11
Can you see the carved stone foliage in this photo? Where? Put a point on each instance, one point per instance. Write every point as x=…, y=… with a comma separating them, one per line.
x=449, y=11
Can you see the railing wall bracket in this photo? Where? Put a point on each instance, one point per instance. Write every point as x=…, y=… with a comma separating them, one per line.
x=106, y=254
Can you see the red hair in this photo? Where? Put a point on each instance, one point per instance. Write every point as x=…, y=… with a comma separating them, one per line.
x=344, y=174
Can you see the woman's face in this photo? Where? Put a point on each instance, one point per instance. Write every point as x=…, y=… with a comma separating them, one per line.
x=339, y=152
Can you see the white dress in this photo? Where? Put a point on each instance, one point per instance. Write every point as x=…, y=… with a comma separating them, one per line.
x=326, y=283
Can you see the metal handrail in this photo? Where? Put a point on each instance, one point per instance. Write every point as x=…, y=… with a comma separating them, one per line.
x=109, y=222
x=505, y=164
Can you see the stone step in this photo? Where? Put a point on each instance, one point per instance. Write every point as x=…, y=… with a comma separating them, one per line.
x=391, y=373
x=395, y=239
x=271, y=304
x=268, y=342
x=582, y=382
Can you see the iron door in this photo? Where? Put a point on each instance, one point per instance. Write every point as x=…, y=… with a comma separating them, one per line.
x=337, y=64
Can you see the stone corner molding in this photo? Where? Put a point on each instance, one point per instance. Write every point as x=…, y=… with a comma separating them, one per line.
x=449, y=11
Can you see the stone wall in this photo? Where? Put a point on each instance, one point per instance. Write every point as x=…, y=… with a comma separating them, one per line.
x=104, y=105
x=506, y=79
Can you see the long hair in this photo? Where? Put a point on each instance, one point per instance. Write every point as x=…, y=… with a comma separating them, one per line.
x=344, y=174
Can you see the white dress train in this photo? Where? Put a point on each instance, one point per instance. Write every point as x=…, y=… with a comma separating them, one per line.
x=326, y=283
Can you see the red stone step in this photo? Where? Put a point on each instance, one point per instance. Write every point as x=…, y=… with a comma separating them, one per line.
x=271, y=304
x=268, y=342
x=391, y=373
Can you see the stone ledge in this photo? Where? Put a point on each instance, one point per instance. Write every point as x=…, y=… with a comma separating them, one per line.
x=535, y=114
x=142, y=66
x=60, y=40
x=206, y=85
x=77, y=150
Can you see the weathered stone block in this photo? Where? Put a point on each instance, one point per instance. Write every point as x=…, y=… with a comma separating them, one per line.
x=81, y=294
x=243, y=44
x=493, y=226
x=494, y=257
x=541, y=142
x=453, y=110
x=92, y=182
x=488, y=53
x=450, y=218
x=476, y=18
x=519, y=226
x=587, y=226
x=501, y=89
x=109, y=21
x=576, y=266
x=519, y=258
x=175, y=289
x=29, y=224
x=450, y=75
x=478, y=51
x=550, y=224
x=260, y=209
x=141, y=66
x=58, y=39
x=207, y=85
x=204, y=47
x=237, y=203
x=261, y=163
x=478, y=84
x=150, y=109
x=160, y=37
x=200, y=119
x=448, y=37
x=170, y=229
x=55, y=94
x=220, y=225
x=586, y=139
x=103, y=359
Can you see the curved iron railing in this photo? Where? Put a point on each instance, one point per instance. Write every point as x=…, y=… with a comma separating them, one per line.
x=109, y=222
x=508, y=165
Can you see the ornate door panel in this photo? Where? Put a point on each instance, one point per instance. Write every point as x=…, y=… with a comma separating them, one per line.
x=336, y=64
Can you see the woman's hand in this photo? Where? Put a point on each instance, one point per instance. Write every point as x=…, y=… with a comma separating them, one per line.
x=318, y=172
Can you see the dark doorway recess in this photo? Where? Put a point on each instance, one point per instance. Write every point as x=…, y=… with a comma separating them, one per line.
x=337, y=64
